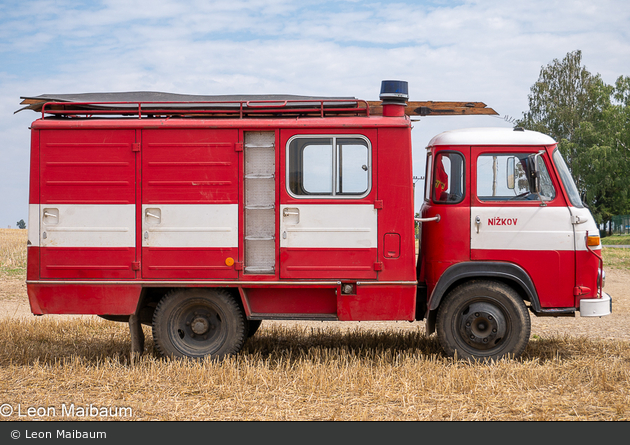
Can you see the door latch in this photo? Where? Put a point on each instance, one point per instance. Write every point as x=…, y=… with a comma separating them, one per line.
x=477, y=222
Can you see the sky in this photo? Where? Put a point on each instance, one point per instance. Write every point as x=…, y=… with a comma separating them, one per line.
x=471, y=50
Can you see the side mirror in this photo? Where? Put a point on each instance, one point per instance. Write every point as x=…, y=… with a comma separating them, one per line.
x=511, y=173
x=533, y=175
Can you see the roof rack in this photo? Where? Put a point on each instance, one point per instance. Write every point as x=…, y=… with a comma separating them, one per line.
x=241, y=108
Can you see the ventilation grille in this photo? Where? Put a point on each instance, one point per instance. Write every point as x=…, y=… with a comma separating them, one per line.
x=260, y=196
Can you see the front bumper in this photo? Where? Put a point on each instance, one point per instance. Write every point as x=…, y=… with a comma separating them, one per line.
x=596, y=307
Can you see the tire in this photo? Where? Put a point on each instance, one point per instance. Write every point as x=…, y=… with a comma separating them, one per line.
x=253, y=327
x=197, y=323
x=483, y=320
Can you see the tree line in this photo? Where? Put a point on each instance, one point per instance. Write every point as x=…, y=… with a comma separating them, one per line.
x=590, y=120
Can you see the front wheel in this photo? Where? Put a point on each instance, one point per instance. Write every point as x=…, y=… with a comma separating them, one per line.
x=197, y=323
x=483, y=320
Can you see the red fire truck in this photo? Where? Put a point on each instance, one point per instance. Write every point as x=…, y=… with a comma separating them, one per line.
x=203, y=216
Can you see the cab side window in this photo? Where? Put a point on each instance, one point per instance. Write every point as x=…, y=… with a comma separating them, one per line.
x=448, y=178
x=503, y=177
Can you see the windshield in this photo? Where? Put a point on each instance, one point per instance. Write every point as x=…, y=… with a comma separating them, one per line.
x=567, y=179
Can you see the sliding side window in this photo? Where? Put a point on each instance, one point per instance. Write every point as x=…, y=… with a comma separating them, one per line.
x=329, y=166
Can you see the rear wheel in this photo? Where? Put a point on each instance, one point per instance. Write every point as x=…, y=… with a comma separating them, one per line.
x=483, y=320
x=197, y=323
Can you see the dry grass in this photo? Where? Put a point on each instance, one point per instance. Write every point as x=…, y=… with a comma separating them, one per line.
x=13, y=252
x=305, y=373
x=309, y=374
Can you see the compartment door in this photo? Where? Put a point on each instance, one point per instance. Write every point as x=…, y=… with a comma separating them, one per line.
x=87, y=204
x=190, y=207
x=328, y=220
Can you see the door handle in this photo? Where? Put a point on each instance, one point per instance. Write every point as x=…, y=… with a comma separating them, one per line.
x=153, y=216
x=435, y=218
x=286, y=212
x=478, y=222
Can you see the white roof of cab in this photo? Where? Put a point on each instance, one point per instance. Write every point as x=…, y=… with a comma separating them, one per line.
x=491, y=136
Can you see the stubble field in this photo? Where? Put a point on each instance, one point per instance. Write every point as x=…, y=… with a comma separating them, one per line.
x=573, y=368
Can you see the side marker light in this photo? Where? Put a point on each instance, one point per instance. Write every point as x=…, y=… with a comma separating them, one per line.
x=592, y=240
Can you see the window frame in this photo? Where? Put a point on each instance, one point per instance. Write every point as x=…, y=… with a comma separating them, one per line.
x=333, y=194
x=510, y=200
x=433, y=176
x=428, y=177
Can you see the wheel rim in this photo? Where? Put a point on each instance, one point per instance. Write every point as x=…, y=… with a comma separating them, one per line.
x=482, y=325
x=197, y=328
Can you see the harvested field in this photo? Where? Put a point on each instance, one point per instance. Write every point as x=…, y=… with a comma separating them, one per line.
x=573, y=368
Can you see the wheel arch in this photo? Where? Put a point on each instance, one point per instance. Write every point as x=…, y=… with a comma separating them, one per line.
x=151, y=296
x=460, y=273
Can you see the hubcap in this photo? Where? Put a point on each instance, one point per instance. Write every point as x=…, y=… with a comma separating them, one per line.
x=198, y=328
x=482, y=325
x=200, y=325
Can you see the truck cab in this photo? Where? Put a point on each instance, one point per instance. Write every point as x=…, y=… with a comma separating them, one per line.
x=505, y=233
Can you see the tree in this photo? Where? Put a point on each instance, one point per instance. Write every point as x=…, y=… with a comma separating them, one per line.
x=21, y=224
x=591, y=122
x=605, y=142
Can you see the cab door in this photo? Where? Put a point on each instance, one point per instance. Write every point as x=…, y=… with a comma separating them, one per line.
x=328, y=220
x=510, y=223
x=447, y=241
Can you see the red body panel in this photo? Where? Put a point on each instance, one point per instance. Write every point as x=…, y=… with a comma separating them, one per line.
x=551, y=271
x=378, y=303
x=64, y=298
x=301, y=300
x=395, y=191
x=188, y=263
x=32, y=263
x=327, y=263
x=87, y=167
x=191, y=166
x=587, y=264
x=87, y=262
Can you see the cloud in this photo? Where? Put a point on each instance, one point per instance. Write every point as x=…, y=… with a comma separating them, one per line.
x=489, y=51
